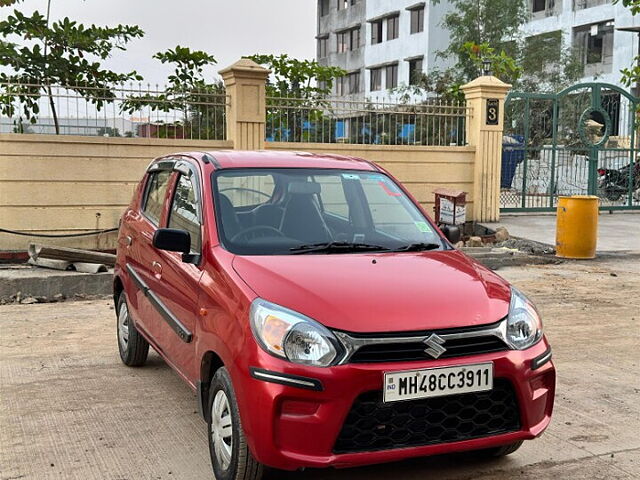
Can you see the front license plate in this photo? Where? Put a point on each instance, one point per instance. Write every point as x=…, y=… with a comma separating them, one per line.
x=437, y=382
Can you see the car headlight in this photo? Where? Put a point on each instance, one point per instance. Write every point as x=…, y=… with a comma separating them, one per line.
x=291, y=335
x=524, y=326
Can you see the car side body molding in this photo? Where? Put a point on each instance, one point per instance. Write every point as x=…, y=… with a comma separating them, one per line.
x=173, y=321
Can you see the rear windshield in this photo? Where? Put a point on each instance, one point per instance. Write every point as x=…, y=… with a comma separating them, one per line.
x=291, y=211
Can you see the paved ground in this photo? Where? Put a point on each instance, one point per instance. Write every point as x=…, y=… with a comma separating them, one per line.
x=70, y=410
x=616, y=232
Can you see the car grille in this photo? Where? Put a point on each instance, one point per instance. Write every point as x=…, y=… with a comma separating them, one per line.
x=399, y=352
x=373, y=425
x=412, y=350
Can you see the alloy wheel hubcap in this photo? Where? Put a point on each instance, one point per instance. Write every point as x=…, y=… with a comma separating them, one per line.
x=123, y=327
x=221, y=430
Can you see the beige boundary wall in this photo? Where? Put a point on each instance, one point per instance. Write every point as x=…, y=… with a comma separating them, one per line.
x=71, y=184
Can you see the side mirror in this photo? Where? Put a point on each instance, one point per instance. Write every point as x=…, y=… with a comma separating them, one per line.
x=172, y=240
x=452, y=233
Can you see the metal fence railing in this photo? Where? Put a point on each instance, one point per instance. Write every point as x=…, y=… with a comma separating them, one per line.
x=114, y=111
x=431, y=122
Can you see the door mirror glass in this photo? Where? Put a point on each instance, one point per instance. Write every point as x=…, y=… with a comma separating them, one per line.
x=452, y=233
x=172, y=240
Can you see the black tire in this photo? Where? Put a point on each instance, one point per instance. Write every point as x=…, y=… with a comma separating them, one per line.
x=505, y=450
x=242, y=465
x=133, y=351
x=613, y=194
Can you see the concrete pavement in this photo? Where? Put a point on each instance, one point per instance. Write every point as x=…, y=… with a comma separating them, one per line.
x=70, y=410
x=617, y=232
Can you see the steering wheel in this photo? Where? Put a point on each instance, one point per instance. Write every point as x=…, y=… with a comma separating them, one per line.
x=244, y=189
x=259, y=231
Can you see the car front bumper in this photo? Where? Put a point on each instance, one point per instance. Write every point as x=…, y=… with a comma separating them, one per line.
x=291, y=427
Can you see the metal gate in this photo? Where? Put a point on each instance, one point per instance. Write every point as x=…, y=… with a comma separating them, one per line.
x=581, y=141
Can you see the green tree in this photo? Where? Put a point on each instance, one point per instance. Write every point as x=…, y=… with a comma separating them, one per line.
x=63, y=53
x=479, y=33
x=491, y=23
x=298, y=78
x=199, y=101
x=297, y=108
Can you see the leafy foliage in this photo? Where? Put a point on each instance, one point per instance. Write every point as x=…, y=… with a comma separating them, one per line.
x=478, y=33
x=63, y=53
x=296, y=90
x=298, y=78
x=187, y=92
x=494, y=23
x=633, y=5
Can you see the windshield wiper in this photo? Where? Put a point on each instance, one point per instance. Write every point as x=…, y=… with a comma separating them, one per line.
x=336, y=247
x=417, y=247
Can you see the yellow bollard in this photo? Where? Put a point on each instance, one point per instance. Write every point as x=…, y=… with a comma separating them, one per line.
x=577, y=226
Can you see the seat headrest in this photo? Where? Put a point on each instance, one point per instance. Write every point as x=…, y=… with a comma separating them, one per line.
x=304, y=188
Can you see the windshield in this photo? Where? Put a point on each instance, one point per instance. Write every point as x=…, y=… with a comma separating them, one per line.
x=299, y=211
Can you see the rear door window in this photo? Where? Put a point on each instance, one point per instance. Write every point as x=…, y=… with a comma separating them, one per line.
x=156, y=192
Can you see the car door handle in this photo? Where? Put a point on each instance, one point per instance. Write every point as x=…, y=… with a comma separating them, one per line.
x=157, y=268
x=126, y=241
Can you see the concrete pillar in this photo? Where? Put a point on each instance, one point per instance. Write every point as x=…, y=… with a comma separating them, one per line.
x=245, y=82
x=486, y=95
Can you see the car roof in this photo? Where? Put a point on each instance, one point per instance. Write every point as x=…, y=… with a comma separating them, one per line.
x=223, y=159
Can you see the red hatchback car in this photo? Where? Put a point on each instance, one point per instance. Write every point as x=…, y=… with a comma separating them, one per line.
x=321, y=316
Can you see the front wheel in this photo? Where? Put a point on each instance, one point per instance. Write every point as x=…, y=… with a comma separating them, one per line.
x=230, y=455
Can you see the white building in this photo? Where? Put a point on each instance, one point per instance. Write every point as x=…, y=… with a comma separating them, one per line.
x=380, y=43
x=592, y=28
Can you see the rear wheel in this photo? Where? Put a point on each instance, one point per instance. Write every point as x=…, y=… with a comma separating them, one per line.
x=505, y=450
x=230, y=455
x=132, y=346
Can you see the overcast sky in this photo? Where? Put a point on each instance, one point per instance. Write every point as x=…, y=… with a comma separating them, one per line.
x=226, y=29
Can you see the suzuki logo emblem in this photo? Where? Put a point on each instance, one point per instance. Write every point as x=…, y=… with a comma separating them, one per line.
x=434, y=345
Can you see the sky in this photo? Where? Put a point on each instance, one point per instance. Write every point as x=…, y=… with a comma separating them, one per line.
x=227, y=29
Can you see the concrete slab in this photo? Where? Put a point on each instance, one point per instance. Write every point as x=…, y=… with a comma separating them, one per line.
x=617, y=232
x=43, y=282
x=71, y=410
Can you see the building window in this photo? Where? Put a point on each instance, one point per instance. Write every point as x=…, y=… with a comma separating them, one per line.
x=376, y=32
x=540, y=8
x=393, y=27
x=348, y=40
x=343, y=41
x=324, y=8
x=582, y=4
x=538, y=5
x=415, y=71
x=595, y=44
x=353, y=80
x=417, y=20
x=342, y=4
x=355, y=39
x=323, y=47
x=341, y=86
x=392, y=76
x=375, y=79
